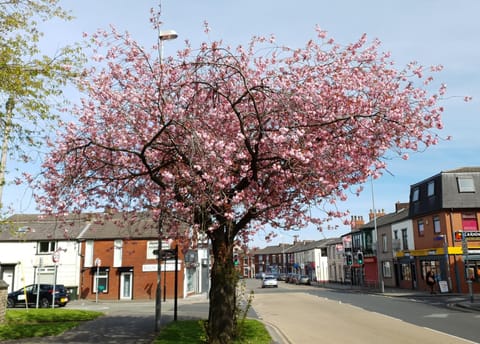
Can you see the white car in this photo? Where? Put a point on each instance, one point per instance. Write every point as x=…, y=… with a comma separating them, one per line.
x=269, y=281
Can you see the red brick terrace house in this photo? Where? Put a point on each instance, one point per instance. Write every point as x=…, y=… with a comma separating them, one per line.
x=120, y=262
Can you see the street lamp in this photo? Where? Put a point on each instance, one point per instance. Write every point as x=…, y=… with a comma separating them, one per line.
x=162, y=36
x=379, y=265
x=166, y=35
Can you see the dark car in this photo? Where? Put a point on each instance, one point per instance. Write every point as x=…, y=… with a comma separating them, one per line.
x=44, y=297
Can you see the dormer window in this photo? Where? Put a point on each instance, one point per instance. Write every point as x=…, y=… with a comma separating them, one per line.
x=415, y=194
x=431, y=188
x=465, y=184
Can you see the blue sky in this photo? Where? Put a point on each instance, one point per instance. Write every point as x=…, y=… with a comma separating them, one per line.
x=429, y=31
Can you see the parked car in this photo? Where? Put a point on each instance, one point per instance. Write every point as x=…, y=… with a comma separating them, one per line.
x=294, y=278
x=269, y=281
x=45, y=296
x=282, y=277
x=303, y=279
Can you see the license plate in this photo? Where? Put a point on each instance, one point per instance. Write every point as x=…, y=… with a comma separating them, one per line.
x=63, y=299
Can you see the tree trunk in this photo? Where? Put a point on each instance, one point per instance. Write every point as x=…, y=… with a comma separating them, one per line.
x=221, y=318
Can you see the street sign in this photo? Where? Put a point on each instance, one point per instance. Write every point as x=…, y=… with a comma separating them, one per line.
x=56, y=257
x=166, y=254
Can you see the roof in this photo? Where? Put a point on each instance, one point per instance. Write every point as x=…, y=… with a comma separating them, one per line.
x=34, y=227
x=299, y=246
x=464, y=170
x=400, y=215
x=91, y=226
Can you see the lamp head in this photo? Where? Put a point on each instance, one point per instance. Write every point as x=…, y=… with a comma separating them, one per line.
x=167, y=35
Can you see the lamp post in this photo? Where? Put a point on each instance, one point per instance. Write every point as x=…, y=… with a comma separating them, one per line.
x=379, y=266
x=162, y=36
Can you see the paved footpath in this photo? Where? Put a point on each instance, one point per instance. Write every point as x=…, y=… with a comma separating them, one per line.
x=124, y=322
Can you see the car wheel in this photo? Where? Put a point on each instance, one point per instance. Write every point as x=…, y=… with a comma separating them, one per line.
x=44, y=303
x=10, y=303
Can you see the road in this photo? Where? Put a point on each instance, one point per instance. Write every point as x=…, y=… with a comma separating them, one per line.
x=304, y=314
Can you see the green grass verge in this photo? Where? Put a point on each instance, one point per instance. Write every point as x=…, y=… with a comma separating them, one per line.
x=192, y=332
x=24, y=323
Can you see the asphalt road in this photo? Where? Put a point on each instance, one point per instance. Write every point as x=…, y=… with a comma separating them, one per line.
x=306, y=314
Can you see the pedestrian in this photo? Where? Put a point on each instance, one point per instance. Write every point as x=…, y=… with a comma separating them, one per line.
x=430, y=277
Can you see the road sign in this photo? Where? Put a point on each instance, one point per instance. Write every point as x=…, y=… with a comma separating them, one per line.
x=56, y=257
x=166, y=254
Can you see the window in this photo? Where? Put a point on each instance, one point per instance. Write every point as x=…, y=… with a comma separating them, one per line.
x=88, y=253
x=45, y=247
x=433, y=265
x=465, y=184
x=415, y=194
x=469, y=222
x=404, y=239
x=431, y=188
x=406, y=272
x=117, y=252
x=100, y=280
x=387, y=269
x=395, y=234
x=420, y=227
x=384, y=243
x=436, y=224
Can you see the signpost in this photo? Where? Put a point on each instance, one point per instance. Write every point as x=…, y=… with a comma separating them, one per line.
x=98, y=262
x=465, y=236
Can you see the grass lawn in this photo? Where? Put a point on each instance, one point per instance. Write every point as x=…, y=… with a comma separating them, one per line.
x=23, y=323
x=191, y=332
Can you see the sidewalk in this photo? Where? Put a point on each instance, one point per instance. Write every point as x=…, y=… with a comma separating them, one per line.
x=129, y=322
x=465, y=302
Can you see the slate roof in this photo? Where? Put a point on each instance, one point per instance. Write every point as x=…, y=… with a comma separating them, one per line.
x=299, y=246
x=35, y=227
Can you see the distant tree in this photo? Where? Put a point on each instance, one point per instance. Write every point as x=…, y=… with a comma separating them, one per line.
x=230, y=140
x=30, y=82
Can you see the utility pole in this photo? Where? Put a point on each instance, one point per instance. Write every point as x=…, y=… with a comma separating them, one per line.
x=6, y=136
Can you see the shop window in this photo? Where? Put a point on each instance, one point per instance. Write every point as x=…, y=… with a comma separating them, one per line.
x=406, y=272
x=433, y=265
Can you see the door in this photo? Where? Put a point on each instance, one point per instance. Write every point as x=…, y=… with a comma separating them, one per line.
x=126, y=285
x=7, y=276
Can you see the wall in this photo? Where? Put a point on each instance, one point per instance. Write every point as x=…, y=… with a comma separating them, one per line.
x=135, y=260
x=23, y=256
